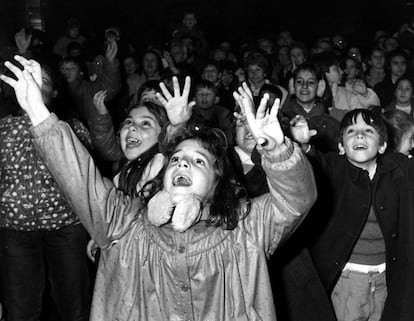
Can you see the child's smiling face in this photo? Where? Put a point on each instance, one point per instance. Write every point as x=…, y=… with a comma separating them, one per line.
x=361, y=144
x=191, y=169
x=306, y=86
x=138, y=133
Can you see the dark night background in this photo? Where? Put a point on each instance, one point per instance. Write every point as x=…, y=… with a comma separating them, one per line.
x=239, y=20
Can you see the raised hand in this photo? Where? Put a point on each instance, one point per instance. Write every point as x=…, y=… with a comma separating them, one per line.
x=27, y=87
x=111, y=50
x=263, y=125
x=300, y=130
x=178, y=108
x=99, y=102
x=357, y=86
x=22, y=41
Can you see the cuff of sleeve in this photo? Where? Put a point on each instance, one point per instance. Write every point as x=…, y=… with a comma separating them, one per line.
x=280, y=154
x=286, y=158
x=44, y=126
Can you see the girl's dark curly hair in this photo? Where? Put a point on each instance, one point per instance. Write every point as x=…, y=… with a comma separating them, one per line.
x=225, y=204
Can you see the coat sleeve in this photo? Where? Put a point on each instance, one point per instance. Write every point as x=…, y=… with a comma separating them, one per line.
x=111, y=78
x=104, y=138
x=292, y=192
x=105, y=212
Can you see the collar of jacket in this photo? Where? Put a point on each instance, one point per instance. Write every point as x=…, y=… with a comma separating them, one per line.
x=385, y=163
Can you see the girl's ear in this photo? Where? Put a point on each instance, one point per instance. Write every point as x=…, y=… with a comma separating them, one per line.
x=382, y=148
x=321, y=88
x=341, y=149
x=217, y=100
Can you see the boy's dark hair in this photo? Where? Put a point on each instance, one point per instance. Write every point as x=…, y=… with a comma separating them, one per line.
x=225, y=203
x=369, y=117
x=312, y=68
x=325, y=60
x=205, y=84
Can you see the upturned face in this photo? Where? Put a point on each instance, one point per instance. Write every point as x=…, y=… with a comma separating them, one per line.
x=191, y=170
x=361, y=144
x=138, y=133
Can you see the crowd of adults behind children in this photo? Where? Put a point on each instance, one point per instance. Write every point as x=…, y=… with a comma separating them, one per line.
x=96, y=85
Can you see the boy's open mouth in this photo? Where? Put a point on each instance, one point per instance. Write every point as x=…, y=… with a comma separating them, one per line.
x=360, y=147
x=181, y=180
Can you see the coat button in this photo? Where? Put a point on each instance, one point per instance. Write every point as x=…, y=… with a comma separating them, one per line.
x=337, y=263
x=381, y=208
x=394, y=259
x=184, y=287
x=181, y=249
x=394, y=235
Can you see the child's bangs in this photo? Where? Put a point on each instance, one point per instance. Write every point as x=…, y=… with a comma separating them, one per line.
x=369, y=117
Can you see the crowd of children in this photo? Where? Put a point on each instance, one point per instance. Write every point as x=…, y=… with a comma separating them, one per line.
x=270, y=181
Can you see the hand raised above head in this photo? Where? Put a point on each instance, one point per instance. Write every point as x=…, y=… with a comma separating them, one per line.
x=111, y=50
x=27, y=87
x=178, y=108
x=263, y=124
x=300, y=129
x=22, y=41
x=99, y=102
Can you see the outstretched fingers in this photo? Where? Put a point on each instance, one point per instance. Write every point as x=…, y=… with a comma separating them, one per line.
x=165, y=92
x=14, y=69
x=176, y=87
x=275, y=108
x=261, y=110
x=8, y=80
x=187, y=86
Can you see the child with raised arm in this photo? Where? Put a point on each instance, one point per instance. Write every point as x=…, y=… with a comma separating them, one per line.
x=188, y=248
x=363, y=253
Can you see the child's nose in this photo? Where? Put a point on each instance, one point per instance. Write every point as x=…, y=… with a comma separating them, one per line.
x=183, y=163
x=360, y=134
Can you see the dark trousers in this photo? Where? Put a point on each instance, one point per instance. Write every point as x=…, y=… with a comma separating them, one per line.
x=25, y=259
